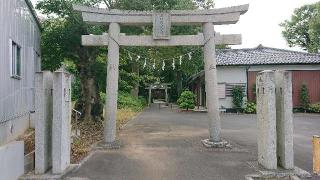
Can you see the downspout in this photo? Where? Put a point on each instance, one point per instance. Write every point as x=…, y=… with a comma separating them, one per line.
x=247, y=74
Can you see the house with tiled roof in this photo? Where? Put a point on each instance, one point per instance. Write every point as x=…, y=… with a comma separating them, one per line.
x=238, y=67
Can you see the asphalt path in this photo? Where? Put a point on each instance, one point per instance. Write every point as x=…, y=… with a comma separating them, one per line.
x=166, y=144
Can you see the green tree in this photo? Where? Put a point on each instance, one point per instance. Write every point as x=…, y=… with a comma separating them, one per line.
x=304, y=97
x=303, y=29
x=186, y=100
x=61, y=41
x=237, y=97
x=315, y=28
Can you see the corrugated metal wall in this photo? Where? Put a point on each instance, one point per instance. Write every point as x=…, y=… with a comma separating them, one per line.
x=309, y=77
x=17, y=23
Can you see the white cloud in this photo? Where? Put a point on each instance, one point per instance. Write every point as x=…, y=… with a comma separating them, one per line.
x=260, y=25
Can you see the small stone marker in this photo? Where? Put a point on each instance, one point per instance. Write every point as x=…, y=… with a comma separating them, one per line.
x=284, y=119
x=43, y=121
x=161, y=25
x=316, y=154
x=266, y=119
x=61, y=128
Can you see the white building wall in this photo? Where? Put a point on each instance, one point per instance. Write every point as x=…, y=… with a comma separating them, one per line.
x=238, y=74
x=311, y=67
x=17, y=96
x=230, y=75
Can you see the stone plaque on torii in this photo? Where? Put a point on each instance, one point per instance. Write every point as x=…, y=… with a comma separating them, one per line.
x=162, y=22
x=161, y=25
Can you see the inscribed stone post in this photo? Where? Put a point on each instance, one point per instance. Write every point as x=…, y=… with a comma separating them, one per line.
x=284, y=119
x=61, y=127
x=43, y=121
x=266, y=119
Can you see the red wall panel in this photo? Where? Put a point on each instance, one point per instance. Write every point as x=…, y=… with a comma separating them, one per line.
x=310, y=78
x=251, y=83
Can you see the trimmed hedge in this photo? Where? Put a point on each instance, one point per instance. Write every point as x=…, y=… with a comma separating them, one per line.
x=186, y=100
x=314, y=108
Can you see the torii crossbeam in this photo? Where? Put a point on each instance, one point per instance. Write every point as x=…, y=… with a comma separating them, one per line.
x=162, y=22
x=179, y=40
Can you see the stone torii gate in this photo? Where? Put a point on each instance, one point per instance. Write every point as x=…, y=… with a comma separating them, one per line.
x=164, y=86
x=162, y=22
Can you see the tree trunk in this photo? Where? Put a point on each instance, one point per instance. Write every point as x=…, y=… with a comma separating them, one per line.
x=136, y=70
x=89, y=103
x=179, y=82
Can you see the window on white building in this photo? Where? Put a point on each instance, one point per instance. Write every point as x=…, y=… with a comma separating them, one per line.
x=229, y=88
x=15, y=60
x=221, y=90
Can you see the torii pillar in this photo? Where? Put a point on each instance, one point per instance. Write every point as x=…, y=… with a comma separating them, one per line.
x=211, y=82
x=112, y=84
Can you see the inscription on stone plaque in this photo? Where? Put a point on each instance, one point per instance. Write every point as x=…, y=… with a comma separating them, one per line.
x=67, y=91
x=161, y=25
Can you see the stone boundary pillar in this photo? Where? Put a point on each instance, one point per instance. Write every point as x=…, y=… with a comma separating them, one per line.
x=61, y=128
x=43, y=121
x=284, y=119
x=266, y=119
x=112, y=84
x=211, y=83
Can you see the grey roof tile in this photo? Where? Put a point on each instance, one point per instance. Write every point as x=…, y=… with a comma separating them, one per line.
x=264, y=55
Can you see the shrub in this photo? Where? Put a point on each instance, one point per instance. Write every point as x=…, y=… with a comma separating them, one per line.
x=304, y=97
x=186, y=100
x=250, y=108
x=237, y=97
x=314, y=108
x=103, y=97
x=127, y=101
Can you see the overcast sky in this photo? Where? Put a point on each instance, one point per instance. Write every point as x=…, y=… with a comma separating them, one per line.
x=260, y=25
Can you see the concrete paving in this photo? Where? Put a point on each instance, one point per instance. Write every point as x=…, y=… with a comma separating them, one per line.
x=165, y=144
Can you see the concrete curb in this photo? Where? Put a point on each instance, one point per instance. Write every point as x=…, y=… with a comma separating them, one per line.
x=263, y=173
x=49, y=175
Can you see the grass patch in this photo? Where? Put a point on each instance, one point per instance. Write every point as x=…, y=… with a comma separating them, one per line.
x=124, y=116
x=92, y=132
x=29, y=140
